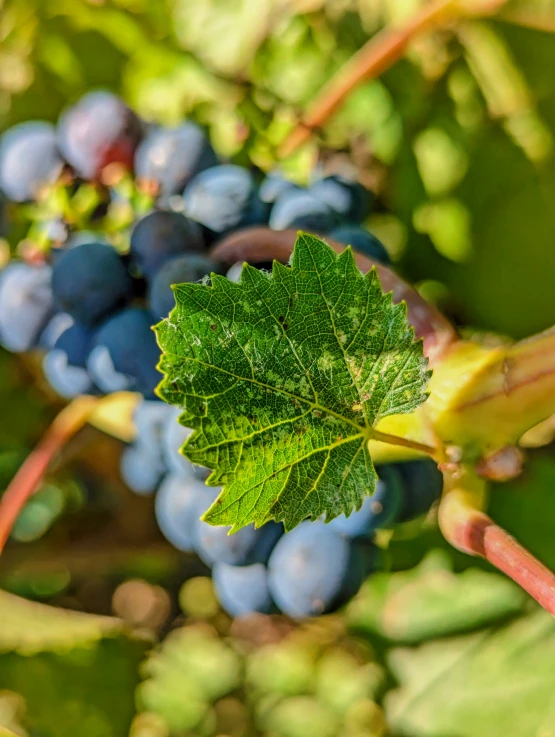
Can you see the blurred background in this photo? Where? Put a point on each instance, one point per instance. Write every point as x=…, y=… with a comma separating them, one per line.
x=456, y=143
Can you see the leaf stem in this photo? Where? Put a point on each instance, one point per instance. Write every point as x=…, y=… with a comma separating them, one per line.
x=30, y=474
x=470, y=530
x=374, y=58
x=385, y=437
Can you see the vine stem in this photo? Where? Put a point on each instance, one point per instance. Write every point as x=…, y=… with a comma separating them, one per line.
x=374, y=58
x=27, y=479
x=385, y=437
x=470, y=530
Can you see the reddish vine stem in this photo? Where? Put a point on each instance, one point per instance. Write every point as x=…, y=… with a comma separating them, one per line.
x=473, y=532
x=374, y=58
x=27, y=479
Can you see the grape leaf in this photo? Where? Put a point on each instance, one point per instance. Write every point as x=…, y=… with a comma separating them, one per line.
x=477, y=678
x=283, y=377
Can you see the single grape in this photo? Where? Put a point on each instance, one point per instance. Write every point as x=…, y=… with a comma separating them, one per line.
x=141, y=470
x=29, y=158
x=174, y=436
x=98, y=130
x=188, y=268
x=273, y=186
x=65, y=364
x=150, y=417
x=171, y=157
x=58, y=324
x=300, y=209
x=223, y=198
x=242, y=589
x=312, y=571
x=423, y=484
x=26, y=305
x=249, y=545
x=345, y=196
x=124, y=354
x=162, y=235
x=90, y=282
x=178, y=505
x=361, y=241
x=377, y=511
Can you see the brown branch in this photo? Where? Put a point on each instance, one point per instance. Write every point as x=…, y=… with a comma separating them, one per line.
x=473, y=532
x=261, y=245
x=30, y=474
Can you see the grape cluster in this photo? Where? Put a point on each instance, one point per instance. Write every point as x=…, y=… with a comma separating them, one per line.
x=89, y=301
x=312, y=570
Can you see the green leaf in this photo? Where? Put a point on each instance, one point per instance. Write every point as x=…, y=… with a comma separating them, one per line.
x=283, y=377
x=432, y=601
x=467, y=686
x=28, y=627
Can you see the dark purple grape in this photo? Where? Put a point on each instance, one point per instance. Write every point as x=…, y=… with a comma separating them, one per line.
x=29, y=158
x=178, y=270
x=141, y=469
x=348, y=198
x=174, y=436
x=179, y=504
x=90, y=281
x=274, y=186
x=423, y=484
x=26, y=305
x=361, y=241
x=223, y=198
x=242, y=590
x=303, y=211
x=312, y=571
x=124, y=354
x=65, y=364
x=377, y=511
x=171, y=157
x=98, y=130
x=163, y=235
x=249, y=545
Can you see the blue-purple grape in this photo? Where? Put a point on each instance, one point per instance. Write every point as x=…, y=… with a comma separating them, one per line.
x=29, y=158
x=65, y=364
x=242, y=590
x=377, y=511
x=178, y=505
x=125, y=354
x=313, y=570
x=171, y=157
x=223, y=198
x=423, y=484
x=188, y=268
x=301, y=210
x=347, y=197
x=26, y=305
x=245, y=547
x=160, y=236
x=141, y=468
x=98, y=130
x=362, y=241
x=90, y=282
